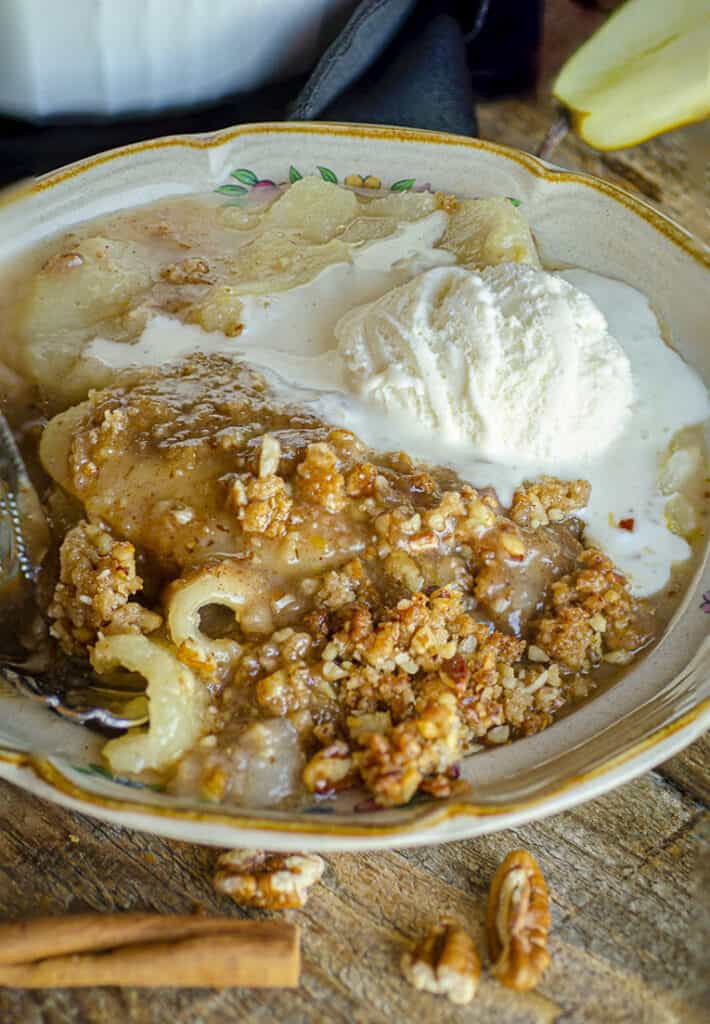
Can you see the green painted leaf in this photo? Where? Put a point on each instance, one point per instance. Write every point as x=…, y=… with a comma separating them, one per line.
x=328, y=175
x=244, y=175
x=93, y=769
x=402, y=186
x=515, y=202
x=232, y=190
x=293, y=174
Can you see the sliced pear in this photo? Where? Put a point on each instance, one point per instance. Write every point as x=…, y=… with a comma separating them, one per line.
x=645, y=71
x=56, y=441
x=400, y=205
x=74, y=292
x=486, y=232
x=177, y=704
x=313, y=208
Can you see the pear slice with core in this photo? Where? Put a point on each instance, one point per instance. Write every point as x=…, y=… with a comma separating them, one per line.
x=645, y=71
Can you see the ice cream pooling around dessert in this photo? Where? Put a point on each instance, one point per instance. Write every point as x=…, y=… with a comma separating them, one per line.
x=290, y=335
x=513, y=361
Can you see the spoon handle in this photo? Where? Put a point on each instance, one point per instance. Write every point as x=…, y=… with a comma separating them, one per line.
x=15, y=560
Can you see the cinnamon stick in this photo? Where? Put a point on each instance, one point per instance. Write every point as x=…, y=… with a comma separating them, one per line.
x=148, y=950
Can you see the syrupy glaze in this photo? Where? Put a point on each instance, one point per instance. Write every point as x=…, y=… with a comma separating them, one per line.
x=624, y=477
x=397, y=601
x=154, y=458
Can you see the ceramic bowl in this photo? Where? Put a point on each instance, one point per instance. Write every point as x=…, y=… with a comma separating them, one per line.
x=83, y=57
x=656, y=709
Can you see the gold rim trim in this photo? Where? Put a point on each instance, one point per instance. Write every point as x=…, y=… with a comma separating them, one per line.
x=14, y=757
x=429, y=817
x=43, y=769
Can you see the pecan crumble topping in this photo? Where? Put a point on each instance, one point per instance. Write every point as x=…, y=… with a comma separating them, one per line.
x=390, y=615
x=92, y=598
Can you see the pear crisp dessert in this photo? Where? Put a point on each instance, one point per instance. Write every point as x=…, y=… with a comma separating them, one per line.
x=333, y=480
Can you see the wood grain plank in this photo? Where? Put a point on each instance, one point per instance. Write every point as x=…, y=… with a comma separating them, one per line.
x=689, y=770
x=621, y=880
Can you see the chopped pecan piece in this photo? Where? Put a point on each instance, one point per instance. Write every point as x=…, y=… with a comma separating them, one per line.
x=263, y=505
x=446, y=201
x=444, y=784
x=270, y=881
x=319, y=480
x=590, y=612
x=548, y=501
x=360, y=481
x=456, y=669
x=191, y=270
x=517, y=922
x=394, y=764
x=444, y=962
x=402, y=567
x=330, y=770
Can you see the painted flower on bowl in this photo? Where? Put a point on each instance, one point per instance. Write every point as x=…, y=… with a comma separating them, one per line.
x=263, y=188
x=362, y=181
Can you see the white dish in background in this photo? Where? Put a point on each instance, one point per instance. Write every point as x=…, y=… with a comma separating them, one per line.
x=106, y=57
x=659, y=706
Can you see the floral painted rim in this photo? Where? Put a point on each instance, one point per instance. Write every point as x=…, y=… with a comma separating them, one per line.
x=247, y=181
x=431, y=814
x=538, y=168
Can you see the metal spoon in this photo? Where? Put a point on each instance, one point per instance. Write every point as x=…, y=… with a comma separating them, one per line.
x=69, y=688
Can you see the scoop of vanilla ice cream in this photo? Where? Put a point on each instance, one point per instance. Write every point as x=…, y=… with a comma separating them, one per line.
x=512, y=360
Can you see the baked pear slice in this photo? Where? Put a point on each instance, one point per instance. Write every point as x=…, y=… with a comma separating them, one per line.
x=486, y=232
x=645, y=71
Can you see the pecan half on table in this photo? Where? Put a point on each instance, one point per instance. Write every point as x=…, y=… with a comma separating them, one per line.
x=270, y=881
x=444, y=962
x=517, y=922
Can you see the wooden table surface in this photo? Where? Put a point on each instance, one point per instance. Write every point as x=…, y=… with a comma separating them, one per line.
x=630, y=933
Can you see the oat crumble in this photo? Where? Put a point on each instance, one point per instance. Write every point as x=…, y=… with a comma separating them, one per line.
x=410, y=616
x=92, y=598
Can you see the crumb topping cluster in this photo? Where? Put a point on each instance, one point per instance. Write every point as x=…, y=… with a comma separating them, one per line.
x=92, y=598
x=411, y=617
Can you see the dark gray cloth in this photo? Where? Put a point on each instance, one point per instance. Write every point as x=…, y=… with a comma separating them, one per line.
x=371, y=28
x=395, y=62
